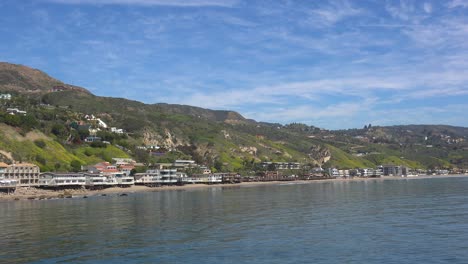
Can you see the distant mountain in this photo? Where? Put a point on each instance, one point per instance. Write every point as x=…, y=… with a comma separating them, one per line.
x=428, y=130
x=214, y=115
x=19, y=78
x=223, y=140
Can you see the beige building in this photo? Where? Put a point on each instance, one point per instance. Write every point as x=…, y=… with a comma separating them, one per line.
x=25, y=173
x=3, y=167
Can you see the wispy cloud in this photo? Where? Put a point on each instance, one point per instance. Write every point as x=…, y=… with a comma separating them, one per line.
x=402, y=10
x=181, y=3
x=427, y=7
x=409, y=12
x=458, y=3
x=332, y=63
x=446, y=33
x=332, y=13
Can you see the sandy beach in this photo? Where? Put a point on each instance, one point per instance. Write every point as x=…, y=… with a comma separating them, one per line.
x=31, y=193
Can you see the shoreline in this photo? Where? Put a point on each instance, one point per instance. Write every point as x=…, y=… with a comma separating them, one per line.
x=31, y=193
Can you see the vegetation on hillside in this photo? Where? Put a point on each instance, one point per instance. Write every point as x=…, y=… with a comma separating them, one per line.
x=52, y=134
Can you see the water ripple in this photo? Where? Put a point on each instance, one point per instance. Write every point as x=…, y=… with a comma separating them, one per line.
x=407, y=221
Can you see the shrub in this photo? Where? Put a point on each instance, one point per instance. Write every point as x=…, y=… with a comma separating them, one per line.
x=40, y=143
x=75, y=165
x=98, y=145
x=41, y=159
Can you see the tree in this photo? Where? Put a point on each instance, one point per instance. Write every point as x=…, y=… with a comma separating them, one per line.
x=17, y=157
x=248, y=164
x=98, y=144
x=41, y=159
x=271, y=167
x=218, y=165
x=28, y=122
x=75, y=165
x=58, y=129
x=12, y=120
x=83, y=132
x=142, y=156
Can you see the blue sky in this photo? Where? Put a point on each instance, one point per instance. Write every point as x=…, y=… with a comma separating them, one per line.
x=333, y=64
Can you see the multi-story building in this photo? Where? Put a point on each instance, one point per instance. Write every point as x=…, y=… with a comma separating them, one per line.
x=369, y=172
x=3, y=167
x=4, y=183
x=159, y=177
x=334, y=172
x=54, y=180
x=392, y=170
x=25, y=174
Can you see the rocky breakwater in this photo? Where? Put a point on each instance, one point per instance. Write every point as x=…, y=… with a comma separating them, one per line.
x=32, y=193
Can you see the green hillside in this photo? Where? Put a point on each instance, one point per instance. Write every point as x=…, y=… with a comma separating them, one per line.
x=52, y=133
x=343, y=160
x=49, y=154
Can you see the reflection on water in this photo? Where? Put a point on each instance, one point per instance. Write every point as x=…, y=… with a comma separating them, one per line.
x=404, y=221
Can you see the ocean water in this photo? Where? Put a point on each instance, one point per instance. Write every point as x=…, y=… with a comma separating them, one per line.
x=376, y=221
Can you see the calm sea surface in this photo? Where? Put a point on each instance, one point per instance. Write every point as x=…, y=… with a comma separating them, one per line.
x=390, y=221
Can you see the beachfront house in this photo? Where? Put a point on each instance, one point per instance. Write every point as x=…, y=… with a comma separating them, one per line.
x=124, y=180
x=100, y=181
x=369, y=172
x=392, y=170
x=150, y=177
x=25, y=174
x=3, y=167
x=61, y=180
x=6, y=184
x=160, y=177
x=334, y=172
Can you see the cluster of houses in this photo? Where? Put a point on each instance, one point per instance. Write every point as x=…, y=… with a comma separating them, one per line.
x=99, y=124
x=11, y=111
x=106, y=174
x=383, y=170
x=120, y=173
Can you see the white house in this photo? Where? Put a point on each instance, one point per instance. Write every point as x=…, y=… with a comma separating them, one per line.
x=334, y=172
x=14, y=111
x=101, y=123
x=159, y=177
x=117, y=130
x=5, y=96
x=50, y=179
x=124, y=180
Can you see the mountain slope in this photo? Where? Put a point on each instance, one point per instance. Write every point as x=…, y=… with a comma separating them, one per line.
x=223, y=140
x=19, y=78
x=47, y=153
